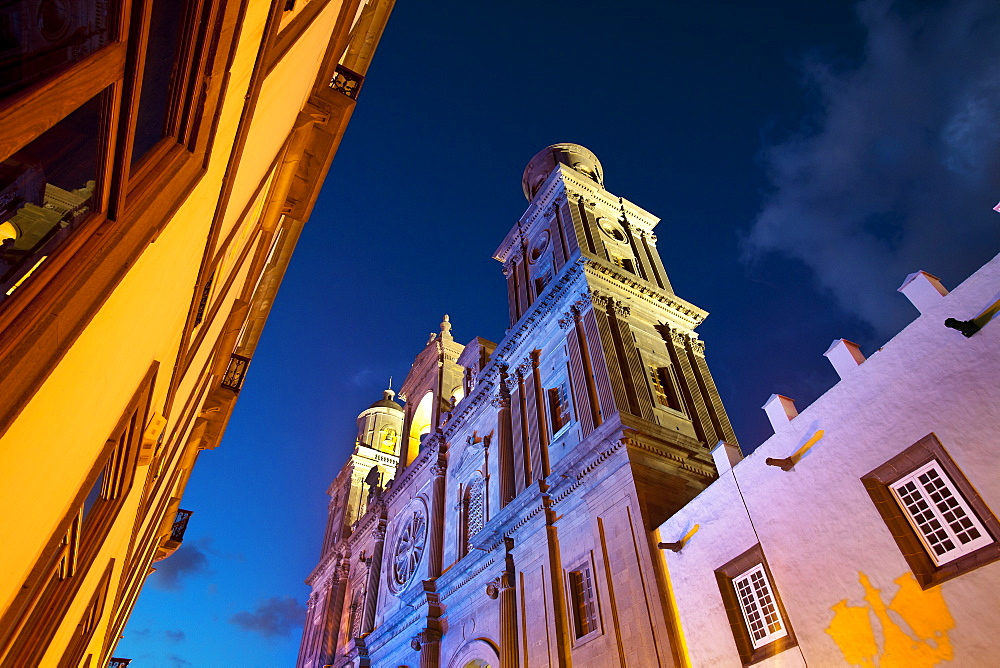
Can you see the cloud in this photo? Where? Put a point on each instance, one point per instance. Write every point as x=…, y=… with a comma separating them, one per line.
x=174, y=635
x=276, y=616
x=178, y=662
x=188, y=560
x=899, y=167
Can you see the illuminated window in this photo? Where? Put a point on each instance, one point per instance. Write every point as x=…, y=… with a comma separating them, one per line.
x=625, y=263
x=559, y=408
x=659, y=392
x=940, y=524
x=665, y=386
x=759, y=622
x=583, y=600
x=388, y=438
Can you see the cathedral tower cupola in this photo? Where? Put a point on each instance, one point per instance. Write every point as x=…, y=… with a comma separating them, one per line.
x=575, y=156
x=380, y=425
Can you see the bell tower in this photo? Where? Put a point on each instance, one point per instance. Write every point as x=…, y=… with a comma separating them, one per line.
x=374, y=462
x=632, y=353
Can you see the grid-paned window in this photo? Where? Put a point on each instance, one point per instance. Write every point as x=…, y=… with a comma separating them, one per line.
x=935, y=508
x=759, y=608
x=582, y=595
x=475, y=509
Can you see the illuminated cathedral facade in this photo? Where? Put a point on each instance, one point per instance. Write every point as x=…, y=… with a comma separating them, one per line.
x=574, y=495
x=504, y=516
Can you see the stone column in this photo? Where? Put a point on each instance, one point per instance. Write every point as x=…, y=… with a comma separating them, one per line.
x=436, y=533
x=505, y=449
x=543, y=431
x=374, y=575
x=428, y=641
x=331, y=627
x=504, y=589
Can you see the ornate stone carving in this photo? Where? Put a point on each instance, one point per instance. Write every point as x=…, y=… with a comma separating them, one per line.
x=621, y=310
x=566, y=321
x=698, y=346
x=678, y=337
x=593, y=297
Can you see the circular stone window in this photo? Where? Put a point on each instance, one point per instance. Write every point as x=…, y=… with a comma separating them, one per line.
x=409, y=546
x=539, y=247
x=613, y=229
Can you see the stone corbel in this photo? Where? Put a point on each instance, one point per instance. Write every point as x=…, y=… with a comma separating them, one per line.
x=426, y=636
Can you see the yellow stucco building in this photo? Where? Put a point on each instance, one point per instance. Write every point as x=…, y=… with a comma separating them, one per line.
x=159, y=158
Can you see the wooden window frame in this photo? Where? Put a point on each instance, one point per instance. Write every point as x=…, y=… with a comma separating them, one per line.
x=725, y=576
x=29, y=625
x=126, y=216
x=878, y=484
x=575, y=604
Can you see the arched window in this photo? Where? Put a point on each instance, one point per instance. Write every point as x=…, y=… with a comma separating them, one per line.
x=475, y=510
x=420, y=424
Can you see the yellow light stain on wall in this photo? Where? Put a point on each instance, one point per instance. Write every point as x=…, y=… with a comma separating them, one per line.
x=808, y=444
x=922, y=643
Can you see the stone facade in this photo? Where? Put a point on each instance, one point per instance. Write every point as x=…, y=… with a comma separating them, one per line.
x=816, y=504
x=517, y=528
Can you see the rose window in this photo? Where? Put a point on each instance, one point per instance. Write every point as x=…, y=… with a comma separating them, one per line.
x=409, y=548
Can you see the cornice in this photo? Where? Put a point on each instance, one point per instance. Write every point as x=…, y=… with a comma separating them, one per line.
x=687, y=313
x=556, y=292
x=469, y=578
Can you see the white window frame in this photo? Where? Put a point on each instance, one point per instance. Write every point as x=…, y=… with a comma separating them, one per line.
x=915, y=493
x=759, y=605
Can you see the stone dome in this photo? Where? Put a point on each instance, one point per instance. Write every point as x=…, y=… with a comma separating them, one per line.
x=386, y=402
x=572, y=155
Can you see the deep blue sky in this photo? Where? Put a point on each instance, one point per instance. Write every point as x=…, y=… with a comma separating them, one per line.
x=803, y=156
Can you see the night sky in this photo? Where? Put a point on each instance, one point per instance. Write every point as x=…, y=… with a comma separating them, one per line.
x=803, y=157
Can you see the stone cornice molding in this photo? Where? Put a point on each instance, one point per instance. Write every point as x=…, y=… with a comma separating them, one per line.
x=689, y=315
x=451, y=590
x=555, y=293
x=577, y=476
x=324, y=565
